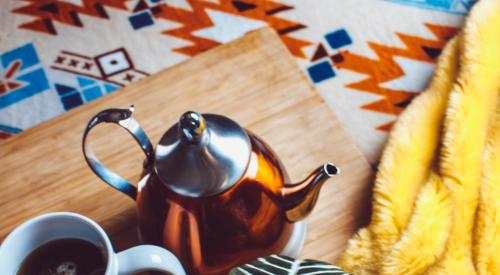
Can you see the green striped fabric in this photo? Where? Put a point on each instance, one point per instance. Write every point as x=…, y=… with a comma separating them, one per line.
x=283, y=265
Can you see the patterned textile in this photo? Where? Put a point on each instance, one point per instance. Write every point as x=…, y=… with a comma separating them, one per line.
x=283, y=265
x=367, y=58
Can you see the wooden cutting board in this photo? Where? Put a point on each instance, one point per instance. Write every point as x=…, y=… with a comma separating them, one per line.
x=253, y=80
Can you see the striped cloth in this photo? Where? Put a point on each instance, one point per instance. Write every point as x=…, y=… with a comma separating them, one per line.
x=283, y=265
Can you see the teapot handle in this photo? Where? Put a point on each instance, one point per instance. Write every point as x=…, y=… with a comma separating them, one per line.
x=122, y=117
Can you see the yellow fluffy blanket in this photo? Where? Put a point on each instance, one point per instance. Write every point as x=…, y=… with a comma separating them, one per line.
x=436, y=206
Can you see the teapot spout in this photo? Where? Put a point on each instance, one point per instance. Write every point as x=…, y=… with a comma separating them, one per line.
x=300, y=198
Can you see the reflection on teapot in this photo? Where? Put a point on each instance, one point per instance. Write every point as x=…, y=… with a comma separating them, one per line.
x=212, y=193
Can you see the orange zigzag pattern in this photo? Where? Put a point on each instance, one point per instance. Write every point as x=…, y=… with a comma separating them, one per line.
x=198, y=19
x=385, y=68
x=47, y=11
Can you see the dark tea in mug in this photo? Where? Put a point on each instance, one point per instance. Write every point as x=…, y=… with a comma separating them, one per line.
x=69, y=256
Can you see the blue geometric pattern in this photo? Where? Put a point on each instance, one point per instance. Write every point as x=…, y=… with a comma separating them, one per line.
x=71, y=101
x=324, y=70
x=451, y=6
x=9, y=129
x=110, y=87
x=92, y=93
x=142, y=14
x=321, y=71
x=88, y=89
x=338, y=38
x=26, y=54
x=63, y=89
x=83, y=81
x=141, y=20
x=30, y=74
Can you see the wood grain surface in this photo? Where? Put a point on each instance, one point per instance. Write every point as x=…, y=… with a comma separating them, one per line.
x=253, y=80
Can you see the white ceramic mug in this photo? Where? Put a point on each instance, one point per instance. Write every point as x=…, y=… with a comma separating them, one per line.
x=53, y=226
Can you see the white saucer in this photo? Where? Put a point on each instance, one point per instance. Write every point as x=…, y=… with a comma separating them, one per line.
x=296, y=242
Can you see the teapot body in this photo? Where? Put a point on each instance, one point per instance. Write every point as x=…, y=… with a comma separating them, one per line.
x=211, y=192
x=210, y=235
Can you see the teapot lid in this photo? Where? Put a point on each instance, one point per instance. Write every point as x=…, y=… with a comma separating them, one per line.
x=202, y=155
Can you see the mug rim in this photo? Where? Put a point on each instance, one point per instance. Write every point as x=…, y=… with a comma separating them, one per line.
x=50, y=215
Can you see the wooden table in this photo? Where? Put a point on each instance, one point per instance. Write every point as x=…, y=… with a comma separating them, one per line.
x=253, y=80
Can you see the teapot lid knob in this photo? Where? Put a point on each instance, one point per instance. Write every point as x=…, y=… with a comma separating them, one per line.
x=202, y=155
x=193, y=126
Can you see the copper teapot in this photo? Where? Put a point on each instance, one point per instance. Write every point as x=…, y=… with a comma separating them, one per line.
x=211, y=192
